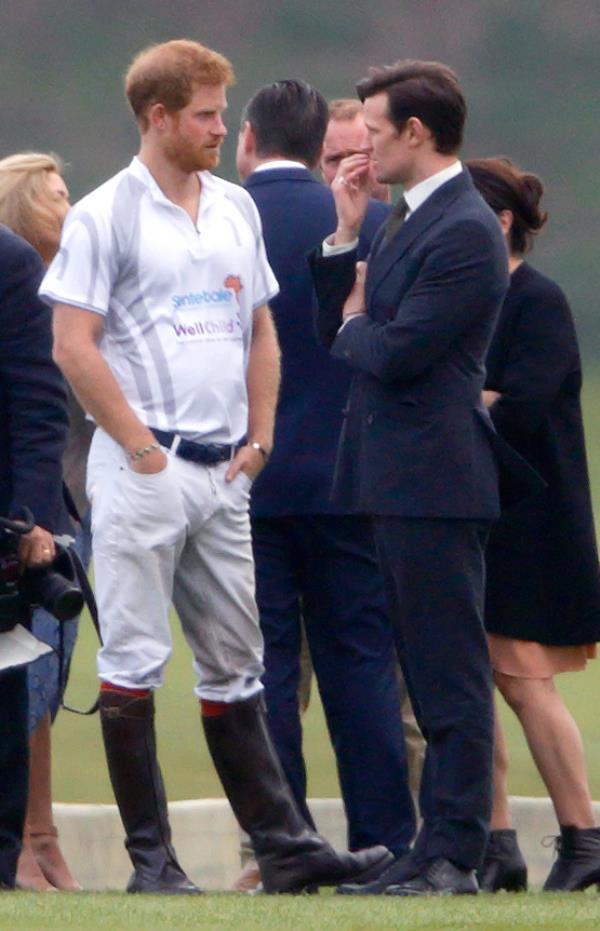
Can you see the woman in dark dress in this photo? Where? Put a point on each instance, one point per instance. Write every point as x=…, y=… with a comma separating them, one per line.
x=543, y=583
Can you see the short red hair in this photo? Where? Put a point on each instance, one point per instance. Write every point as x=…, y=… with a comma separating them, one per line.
x=169, y=73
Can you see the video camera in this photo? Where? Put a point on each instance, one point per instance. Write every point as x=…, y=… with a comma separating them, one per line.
x=53, y=587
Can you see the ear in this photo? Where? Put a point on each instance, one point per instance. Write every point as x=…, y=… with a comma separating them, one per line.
x=248, y=138
x=506, y=219
x=158, y=117
x=416, y=132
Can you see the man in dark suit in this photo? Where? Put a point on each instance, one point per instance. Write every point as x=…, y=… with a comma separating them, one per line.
x=315, y=561
x=417, y=447
x=33, y=433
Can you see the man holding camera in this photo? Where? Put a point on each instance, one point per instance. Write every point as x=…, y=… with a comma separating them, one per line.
x=162, y=327
x=33, y=433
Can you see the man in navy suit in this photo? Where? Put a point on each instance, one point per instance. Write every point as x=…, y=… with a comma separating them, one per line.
x=33, y=434
x=315, y=561
x=417, y=450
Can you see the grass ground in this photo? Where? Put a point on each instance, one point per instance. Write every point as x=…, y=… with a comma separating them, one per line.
x=92, y=912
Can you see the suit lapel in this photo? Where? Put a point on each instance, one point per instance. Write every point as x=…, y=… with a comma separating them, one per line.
x=381, y=261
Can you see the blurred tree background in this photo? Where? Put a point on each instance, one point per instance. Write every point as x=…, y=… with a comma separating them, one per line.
x=531, y=74
x=530, y=70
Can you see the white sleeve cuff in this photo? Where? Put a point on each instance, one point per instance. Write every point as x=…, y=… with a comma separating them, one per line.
x=329, y=249
x=348, y=319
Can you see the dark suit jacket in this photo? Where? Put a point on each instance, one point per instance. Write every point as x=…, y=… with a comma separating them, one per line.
x=297, y=213
x=33, y=413
x=416, y=440
x=543, y=575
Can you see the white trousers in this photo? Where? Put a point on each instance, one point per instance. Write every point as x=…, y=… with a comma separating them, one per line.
x=182, y=536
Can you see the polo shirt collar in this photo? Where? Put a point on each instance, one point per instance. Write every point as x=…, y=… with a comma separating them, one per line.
x=209, y=190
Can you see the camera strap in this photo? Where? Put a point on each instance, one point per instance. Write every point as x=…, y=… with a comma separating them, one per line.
x=90, y=601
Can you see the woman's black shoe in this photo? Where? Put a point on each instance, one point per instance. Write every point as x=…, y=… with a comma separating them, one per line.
x=578, y=862
x=503, y=865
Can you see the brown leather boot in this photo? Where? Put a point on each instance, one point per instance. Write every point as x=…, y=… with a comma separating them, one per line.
x=130, y=744
x=292, y=857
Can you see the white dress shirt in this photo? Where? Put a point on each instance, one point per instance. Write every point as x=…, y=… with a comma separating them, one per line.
x=415, y=198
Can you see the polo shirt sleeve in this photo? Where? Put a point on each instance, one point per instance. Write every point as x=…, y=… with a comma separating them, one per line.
x=82, y=272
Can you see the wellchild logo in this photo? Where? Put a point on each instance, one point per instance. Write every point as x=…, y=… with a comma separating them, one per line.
x=200, y=298
x=216, y=316
x=204, y=328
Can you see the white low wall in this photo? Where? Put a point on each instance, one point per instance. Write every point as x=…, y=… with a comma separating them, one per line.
x=206, y=838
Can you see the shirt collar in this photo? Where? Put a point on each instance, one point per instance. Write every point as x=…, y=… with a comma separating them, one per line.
x=418, y=194
x=280, y=163
x=210, y=191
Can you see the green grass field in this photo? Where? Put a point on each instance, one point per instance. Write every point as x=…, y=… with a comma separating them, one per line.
x=92, y=912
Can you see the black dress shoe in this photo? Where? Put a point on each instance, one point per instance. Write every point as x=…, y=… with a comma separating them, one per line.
x=401, y=870
x=438, y=877
x=503, y=865
x=578, y=863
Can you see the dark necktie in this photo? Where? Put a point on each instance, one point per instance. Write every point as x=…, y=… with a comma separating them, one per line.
x=395, y=221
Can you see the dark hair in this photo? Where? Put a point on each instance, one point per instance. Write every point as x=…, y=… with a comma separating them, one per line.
x=505, y=187
x=289, y=118
x=427, y=90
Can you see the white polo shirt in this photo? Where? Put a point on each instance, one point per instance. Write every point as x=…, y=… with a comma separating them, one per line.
x=177, y=297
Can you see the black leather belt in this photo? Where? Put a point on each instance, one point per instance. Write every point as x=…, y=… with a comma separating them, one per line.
x=204, y=453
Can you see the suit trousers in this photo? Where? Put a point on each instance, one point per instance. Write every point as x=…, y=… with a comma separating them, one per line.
x=14, y=769
x=434, y=579
x=322, y=570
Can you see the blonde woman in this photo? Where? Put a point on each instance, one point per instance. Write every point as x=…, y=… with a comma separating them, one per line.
x=34, y=202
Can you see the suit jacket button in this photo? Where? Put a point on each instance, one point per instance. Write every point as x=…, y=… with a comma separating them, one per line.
x=370, y=419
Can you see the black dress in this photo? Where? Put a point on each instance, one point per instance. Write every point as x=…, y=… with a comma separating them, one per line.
x=543, y=581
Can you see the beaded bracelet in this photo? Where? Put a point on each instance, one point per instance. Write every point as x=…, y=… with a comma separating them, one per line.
x=140, y=453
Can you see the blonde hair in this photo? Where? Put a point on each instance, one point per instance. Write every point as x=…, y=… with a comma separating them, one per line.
x=169, y=73
x=24, y=202
x=346, y=109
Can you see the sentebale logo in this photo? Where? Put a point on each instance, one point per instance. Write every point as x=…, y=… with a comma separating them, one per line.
x=199, y=298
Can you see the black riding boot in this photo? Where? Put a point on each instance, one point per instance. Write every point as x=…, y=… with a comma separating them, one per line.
x=578, y=862
x=130, y=744
x=291, y=856
x=503, y=865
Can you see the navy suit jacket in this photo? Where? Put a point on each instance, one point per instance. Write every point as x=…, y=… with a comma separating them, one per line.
x=297, y=213
x=33, y=411
x=417, y=441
